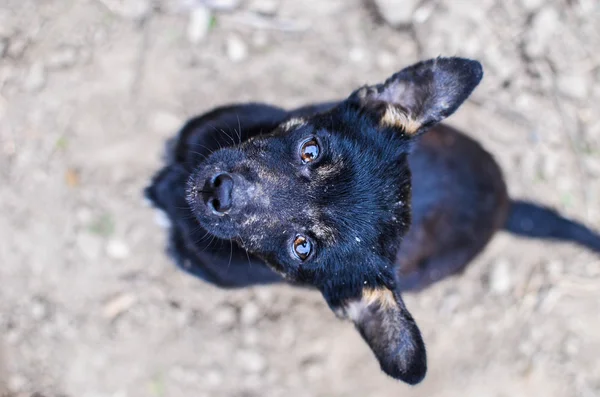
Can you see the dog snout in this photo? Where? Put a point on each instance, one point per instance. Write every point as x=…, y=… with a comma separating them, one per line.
x=220, y=189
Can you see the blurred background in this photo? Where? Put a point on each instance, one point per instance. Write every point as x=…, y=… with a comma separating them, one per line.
x=90, y=306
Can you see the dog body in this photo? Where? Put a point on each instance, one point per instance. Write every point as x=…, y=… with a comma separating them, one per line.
x=459, y=200
x=362, y=199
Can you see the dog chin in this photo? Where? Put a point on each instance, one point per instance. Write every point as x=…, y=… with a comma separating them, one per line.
x=218, y=226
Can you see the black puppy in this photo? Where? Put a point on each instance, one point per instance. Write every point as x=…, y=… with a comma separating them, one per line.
x=325, y=196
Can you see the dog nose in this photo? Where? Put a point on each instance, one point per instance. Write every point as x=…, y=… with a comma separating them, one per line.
x=220, y=197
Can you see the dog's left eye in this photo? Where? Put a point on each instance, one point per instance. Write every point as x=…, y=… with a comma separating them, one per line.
x=310, y=151
x=302, y=247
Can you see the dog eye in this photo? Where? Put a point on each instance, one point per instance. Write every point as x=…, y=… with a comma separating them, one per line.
x=309, y=151
x=302, y=247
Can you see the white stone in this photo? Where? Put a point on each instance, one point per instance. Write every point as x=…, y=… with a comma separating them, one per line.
x=500, y=277
x=251, y=361
x=225, y=316
x=198, y=24
x=260, y=39
x=119, y=305
x=576, y=85
x=357, y=54
x=386, y=60
x=117, y=249
x=237, y=50
x=36, y=77
x=543, y=26
x=397, y=12
x=84, y=215
x=250, y=313
x=16, y=47
x=264, y=295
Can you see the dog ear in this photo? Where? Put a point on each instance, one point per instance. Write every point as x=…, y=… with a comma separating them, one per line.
x=420, y=95
x=383, y=321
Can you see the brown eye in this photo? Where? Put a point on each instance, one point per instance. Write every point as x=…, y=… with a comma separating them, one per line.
x=310, y=151
x=302, y=247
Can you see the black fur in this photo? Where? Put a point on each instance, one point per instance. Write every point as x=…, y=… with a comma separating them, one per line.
x=531, y=220
x=388, y=206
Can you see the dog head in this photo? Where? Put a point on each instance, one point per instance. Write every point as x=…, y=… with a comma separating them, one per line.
x=325, y=200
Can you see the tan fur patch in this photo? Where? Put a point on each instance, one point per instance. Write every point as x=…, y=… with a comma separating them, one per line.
x=382, y=296
x=396, y=119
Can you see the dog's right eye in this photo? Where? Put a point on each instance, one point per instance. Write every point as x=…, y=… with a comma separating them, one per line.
x=302, y=247
x=309, y=151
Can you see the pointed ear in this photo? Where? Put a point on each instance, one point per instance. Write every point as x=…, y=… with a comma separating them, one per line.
x=388, y=328
x=421, y=95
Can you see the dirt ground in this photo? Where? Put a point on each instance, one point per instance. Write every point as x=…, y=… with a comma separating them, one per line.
x=90, y=306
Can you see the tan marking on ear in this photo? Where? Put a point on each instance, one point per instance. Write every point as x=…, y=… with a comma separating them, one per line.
x=396, y=119
x=382, y=296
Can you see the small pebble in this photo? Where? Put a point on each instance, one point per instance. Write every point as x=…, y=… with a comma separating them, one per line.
x=225, y=317
x=539, y=37
x=63, y=58
x=250, y=313
x=117, y=249
x=576, y=85
x=260, y=39
x=397, y=13
x=422, y=14
x=213, y=378
x=118, y=305
x=39, y=309
x=251, y=361
x=550, y=165
x=16, y=47
x=264, y=7
x=264, y=295
x=16, y=382
x=198, y=24
x=237, y=50
x=84, y=215
x=251, y=337
x=500, y=278
x=36, y=77
x=357, y=54
x=386, y=60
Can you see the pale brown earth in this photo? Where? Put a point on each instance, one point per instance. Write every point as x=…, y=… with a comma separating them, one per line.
x=90, y=306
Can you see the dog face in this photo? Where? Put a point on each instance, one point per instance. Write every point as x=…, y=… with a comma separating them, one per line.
x=325, y=200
